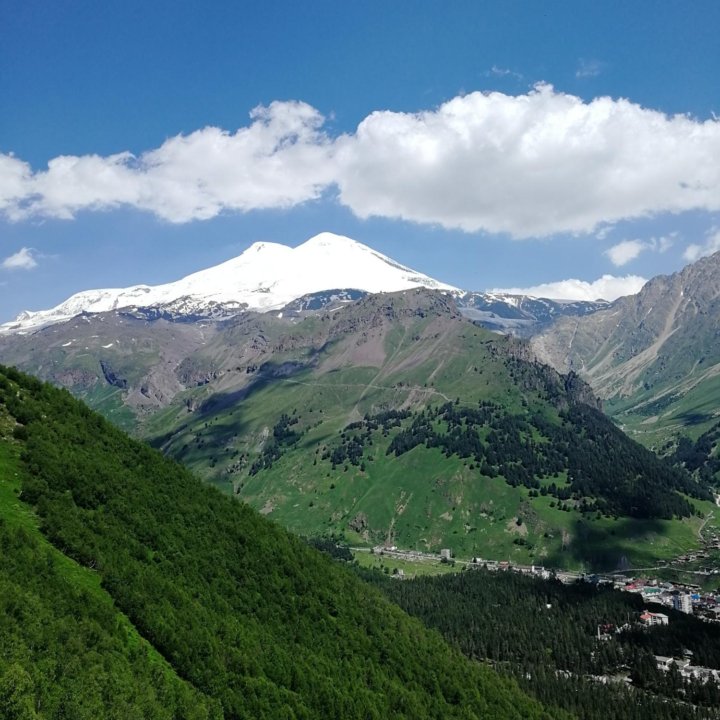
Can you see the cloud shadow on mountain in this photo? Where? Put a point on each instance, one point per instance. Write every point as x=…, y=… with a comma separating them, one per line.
x=603, y=549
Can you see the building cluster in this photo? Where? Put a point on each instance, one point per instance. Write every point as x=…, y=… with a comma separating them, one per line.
x=686, y=669
x=684, y=598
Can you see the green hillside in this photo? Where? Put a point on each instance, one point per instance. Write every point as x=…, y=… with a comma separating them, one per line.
x=566, y=488
x=259, y=406
x=702, y=457
x=253, y=620
x=66, y=650
x=520, y=467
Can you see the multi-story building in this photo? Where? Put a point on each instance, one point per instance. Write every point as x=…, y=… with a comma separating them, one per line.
x=683, y=603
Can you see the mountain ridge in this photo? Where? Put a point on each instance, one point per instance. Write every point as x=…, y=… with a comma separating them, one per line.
x=653, y=357
x=230, y=398
x=271, y=277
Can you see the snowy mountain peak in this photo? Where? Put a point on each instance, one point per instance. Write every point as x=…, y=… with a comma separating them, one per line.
x=267, y=276
x=328, y=239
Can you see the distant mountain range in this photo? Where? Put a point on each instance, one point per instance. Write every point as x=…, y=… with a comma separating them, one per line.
x=266, y=277
x=324, y=271
x=298, y=381
x=654, y=357
x=521, y=315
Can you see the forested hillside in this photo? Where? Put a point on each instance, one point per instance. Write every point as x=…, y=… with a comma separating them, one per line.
x=259, y=624
x=545, y=634
x=700, y=457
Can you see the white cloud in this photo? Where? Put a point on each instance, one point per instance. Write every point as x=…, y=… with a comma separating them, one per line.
x=496, y=71
x=589, y=68
x=625, y=251
x=711, y=245
x=608, y=287
x=628, y=250
x=21, y=260
x=278, y=161
x=604, y=231
x=15, y=181
x=529, y=165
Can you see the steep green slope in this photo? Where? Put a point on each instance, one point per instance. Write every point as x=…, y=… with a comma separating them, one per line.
x=245, y=612
x=312, y=441
x=65, y=648
x=702, y=457
x=564, y=488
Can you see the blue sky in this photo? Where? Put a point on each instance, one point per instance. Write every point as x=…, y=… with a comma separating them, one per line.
x=490, y=145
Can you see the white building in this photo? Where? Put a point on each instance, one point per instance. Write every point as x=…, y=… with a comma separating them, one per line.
x=683, y=603
x=650, y=618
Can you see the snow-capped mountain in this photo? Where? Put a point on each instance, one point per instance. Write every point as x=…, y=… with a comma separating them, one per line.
x=522, y=315
x=267, y=276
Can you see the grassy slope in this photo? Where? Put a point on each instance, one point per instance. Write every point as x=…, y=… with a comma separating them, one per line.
x=464, y=365
x=420, y=499
x=656, y=422
x=426, y=501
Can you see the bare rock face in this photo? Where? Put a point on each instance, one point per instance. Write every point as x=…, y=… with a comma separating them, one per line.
x=111, y=377
x=665, y=329
x=649, y=352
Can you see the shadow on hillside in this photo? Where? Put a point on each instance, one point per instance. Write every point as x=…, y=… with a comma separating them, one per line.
x=694, y=418
x=267, y=374
x=603, y=548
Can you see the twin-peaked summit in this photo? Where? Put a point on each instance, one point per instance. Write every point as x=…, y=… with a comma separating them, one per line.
x=267, y=276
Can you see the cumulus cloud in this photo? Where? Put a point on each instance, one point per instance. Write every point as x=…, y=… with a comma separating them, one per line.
x=625, y=251
x=628, y=250
x=15, y=182
x=711, y=245
x=608, y=287
x=22, y=260
x=278, y=161
x=531, y=165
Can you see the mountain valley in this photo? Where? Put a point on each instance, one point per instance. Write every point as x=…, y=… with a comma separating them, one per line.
x=390, y=417
x=653, y=358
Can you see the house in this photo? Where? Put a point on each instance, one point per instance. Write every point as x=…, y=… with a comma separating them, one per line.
x=649, y=619
x=664, y=663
